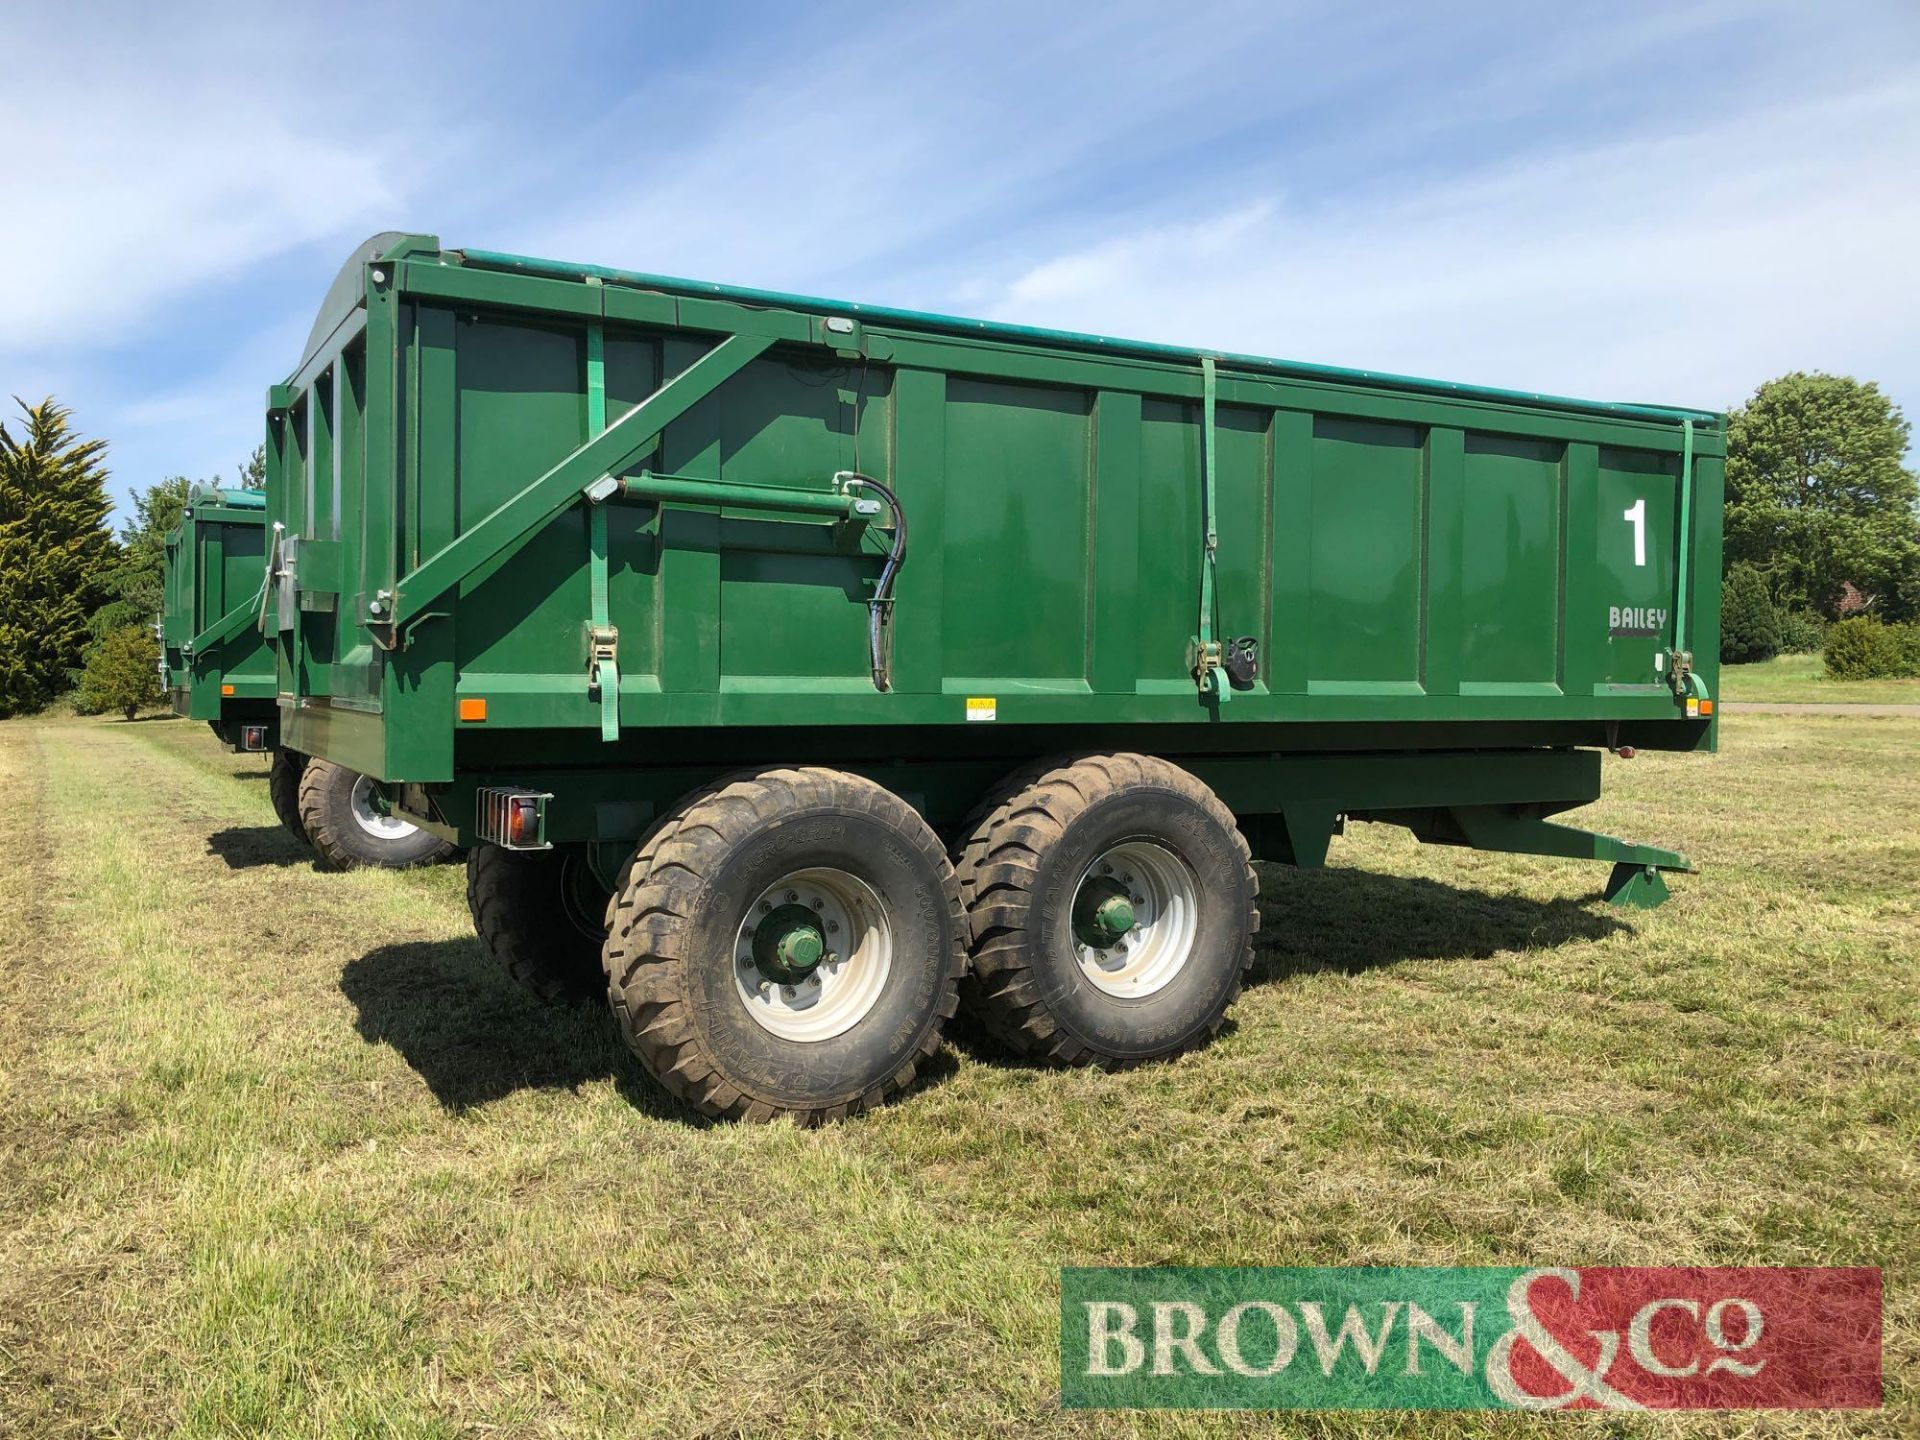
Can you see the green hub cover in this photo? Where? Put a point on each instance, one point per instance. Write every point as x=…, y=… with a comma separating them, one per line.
x=1102, y=913
x=788, y=944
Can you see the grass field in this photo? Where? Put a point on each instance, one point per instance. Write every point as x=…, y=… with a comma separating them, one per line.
x=1787, y=679
x=281, y=1154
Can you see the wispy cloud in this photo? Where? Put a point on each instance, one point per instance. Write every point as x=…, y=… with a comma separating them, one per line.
x=859, y=152
x=1659, y=201
x=150, y=158
x=169, y=168
x=1679, y=266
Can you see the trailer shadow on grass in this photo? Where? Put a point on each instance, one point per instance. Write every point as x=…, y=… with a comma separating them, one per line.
x=1352, y=920
x=247, y=847
x=1348, y=921
x=474, y=1036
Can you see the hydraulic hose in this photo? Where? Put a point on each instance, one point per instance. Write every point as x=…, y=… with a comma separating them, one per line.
x=880, y=607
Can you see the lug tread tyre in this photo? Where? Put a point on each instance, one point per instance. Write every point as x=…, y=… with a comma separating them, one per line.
x=326, y=812
x=651, y=945
x=283, y=789
x=640, y=864
x=998, y=861
x=514, y=898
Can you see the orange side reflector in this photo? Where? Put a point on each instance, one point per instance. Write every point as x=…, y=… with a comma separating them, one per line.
x=473, y=709
x=1706, y=707
x=226, y=689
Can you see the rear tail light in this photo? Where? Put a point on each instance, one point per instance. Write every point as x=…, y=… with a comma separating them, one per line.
x=512, y=819
x=253, y=737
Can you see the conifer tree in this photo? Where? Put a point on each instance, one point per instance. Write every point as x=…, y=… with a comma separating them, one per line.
x=122, y=673
x=55, y=551
x=1749, y=628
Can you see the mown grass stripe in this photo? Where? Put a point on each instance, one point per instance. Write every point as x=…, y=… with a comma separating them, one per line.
x=297, y=1161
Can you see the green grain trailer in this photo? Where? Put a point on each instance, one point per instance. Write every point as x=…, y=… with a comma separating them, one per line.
x=217, y=666
x=793, y=665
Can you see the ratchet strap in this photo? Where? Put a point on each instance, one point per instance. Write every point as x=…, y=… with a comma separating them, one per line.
x=603, y=641
x=1208, y=649
x=1683, y=580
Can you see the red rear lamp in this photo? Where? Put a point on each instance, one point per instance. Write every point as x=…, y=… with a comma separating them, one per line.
x=253, y=737
x=511, y=817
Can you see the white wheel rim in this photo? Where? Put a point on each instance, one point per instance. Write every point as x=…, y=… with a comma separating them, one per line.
x=1165, y=895
x=842, y=990
x=381, y=827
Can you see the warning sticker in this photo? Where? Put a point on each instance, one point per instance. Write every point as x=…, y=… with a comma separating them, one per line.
x=981, y=708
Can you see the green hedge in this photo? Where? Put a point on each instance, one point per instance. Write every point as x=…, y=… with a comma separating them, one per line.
x=1802, y=632
x=1864, y=649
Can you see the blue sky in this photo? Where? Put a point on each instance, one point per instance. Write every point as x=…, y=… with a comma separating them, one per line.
x=1637, y=202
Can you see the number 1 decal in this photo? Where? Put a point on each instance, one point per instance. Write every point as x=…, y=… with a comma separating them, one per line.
x=1636, y=516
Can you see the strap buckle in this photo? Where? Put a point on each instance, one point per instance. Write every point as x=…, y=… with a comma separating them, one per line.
x=603, y=651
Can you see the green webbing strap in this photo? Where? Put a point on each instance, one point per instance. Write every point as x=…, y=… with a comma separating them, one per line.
x=596, y=378
x=605, y=668
x=1209, y=671
x=1686, y=534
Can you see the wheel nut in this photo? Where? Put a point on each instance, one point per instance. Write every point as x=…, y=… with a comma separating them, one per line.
x=833, y=927
x=819, y=904
x=792, y=895
x=766, y=907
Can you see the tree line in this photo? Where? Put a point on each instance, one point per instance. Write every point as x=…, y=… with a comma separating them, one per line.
x=78, y=603
x=1822, y=539
x=1822, y=527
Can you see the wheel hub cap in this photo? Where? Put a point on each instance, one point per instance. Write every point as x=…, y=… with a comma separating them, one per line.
x=1135, y=918
x=812, y=955
x=788, y=944
x=1102, y=912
